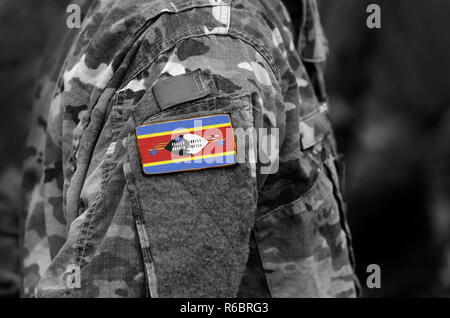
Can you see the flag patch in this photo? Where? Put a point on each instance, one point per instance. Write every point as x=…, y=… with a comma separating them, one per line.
x=186, y=145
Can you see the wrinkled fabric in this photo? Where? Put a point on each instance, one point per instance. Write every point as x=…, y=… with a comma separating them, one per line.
x=99, y=227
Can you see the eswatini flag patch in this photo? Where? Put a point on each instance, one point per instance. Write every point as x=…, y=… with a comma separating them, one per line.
x=188, y=144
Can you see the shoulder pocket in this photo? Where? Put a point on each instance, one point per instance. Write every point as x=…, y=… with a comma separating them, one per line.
x=196, y=225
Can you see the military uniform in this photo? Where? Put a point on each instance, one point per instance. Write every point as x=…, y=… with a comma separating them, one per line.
x=98, y=226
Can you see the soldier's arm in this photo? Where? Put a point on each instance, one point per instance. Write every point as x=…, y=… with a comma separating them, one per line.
x=199, y=222
x=137, y=222
x=192, y=229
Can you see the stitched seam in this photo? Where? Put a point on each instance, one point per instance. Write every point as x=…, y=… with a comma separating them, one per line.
x=117, y=123
x=155, y=53
x=195, y=32
x=75, y=148
x=196, y=78
x=142, y=233
x=86, y=230
x=181, y=7
x=163, y=47
x=105, y=178
x=83, y=127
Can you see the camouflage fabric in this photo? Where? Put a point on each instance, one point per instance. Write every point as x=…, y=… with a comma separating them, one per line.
x=24, y=32
x=99, y=227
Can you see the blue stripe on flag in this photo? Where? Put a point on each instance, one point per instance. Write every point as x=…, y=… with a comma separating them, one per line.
x=198, y=164
x=182, y=124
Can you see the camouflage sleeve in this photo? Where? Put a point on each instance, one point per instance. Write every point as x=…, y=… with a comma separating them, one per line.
x=192, y=229
x=198, y=223
x=123, y=221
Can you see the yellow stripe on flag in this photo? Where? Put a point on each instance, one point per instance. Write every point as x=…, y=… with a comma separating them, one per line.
x=182, y=131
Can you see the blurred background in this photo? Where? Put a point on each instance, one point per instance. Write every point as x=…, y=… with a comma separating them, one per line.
x=390, y=99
